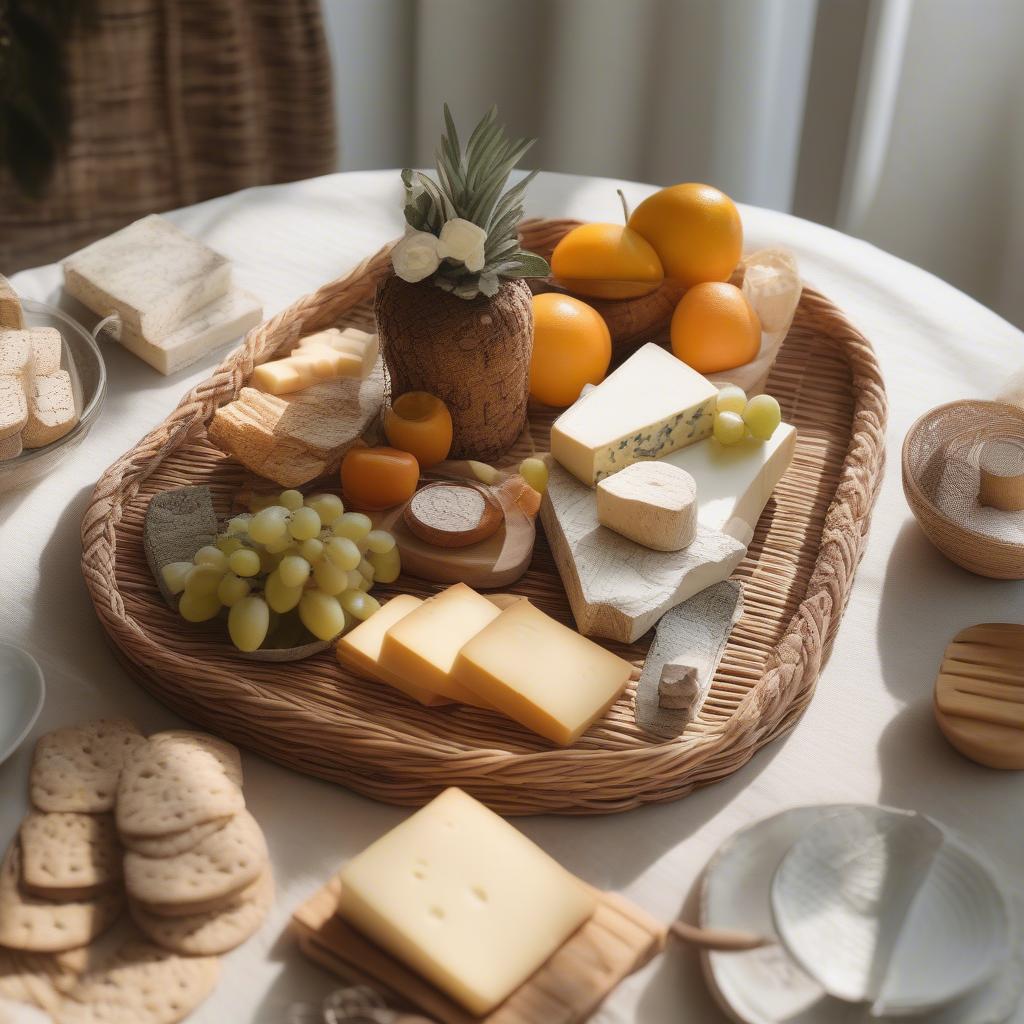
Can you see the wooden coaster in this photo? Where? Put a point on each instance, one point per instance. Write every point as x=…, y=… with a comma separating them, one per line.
x=618, y=940
x=1001, y=480
x=453, y=515
x=979, y=694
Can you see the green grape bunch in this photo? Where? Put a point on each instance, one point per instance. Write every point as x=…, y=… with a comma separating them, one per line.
x=291, y=555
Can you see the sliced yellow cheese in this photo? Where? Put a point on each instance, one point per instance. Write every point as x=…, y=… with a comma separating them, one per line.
x=541, y=674
x=424, y=644
x=351, y=339
x=465, y=899
x=360, y=650
x=304, y=368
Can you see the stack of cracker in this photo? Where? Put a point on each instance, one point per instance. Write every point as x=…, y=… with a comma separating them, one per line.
x=174, y=295
x=37, y=400
x=195, y=867
x=296, y=436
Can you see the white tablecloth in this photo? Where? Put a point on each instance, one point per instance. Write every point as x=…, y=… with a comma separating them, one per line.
x=868, y=735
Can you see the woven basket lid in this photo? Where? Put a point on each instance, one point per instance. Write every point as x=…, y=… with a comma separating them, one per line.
x=942, y=477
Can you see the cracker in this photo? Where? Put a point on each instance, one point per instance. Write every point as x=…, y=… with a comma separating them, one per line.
x=212, y=932
x=76, y=769
x=219, y=866
x=68, y=856
x=173, y=843
x=140, y=984
x=46, y=349
x=51, y=409
x=176, y=781
x=13, y=411
x=43, y=926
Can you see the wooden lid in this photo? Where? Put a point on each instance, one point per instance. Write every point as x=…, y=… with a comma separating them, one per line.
x=979, y=694
x=453, y=515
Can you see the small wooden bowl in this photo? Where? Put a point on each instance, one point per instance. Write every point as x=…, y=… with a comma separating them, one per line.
x=944, y=445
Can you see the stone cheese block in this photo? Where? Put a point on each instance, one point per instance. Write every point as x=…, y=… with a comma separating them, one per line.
x=225, y=319
x=151, y=273
x=617, y=588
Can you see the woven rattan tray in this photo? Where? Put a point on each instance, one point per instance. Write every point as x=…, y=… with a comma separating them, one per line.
x=318, y=719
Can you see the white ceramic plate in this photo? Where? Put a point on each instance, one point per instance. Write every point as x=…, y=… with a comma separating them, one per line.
x=766, y=986
x=22, y=692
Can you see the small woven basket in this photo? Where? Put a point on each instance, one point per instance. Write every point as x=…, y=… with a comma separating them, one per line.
x=318, y=718
x=940, y=481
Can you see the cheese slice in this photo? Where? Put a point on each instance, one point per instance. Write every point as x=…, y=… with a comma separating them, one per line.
x=360, y=649
x=304, y=368
x=223, y=320
x=464, y=899
x=424, y=644
x=734, y=482
x=541, y=674
x=152, y=273
x=351, y=339
x=651, y=405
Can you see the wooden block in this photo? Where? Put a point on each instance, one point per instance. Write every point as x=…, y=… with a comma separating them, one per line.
x=1001, y=467
x=618, y=940
x=292, y=439
x=979, y=694
x=652, y=503
x=453, y=515
x=151, y=273
x=10, y=306
x=617, y=588
x=218, y=322
x=684, y=657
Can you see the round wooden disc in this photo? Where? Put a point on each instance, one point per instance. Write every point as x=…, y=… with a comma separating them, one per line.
x=979, y=694
x=453, y=515
x=1001, y=468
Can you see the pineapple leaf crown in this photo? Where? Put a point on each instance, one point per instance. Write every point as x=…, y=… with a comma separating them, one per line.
x=468, y=192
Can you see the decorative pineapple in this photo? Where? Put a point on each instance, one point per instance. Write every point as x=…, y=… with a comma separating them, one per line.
x=456, y=318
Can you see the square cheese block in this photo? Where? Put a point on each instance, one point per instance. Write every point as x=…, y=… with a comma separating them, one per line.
x=150, y=272
x=16, y=355
x=217, y=323
x=304, y=368
x=541, y=674
x=10, y=306
x=359, y=650
x=51, y=410
x=423, y=645
x=463, y=898
x=13, y=406
x=351, y=339
x=47, y=347
x=651, y=405
x=734, y=482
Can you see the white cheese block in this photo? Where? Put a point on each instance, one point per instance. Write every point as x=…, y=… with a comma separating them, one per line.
x=46, y=349
x=51, y=410
x=651, y=405
x=465, y=899
x=653, y=503
x=150, y=272
x=217, y=323
x=734, y=482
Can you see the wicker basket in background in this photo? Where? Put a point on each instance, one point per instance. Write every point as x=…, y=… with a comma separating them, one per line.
x=172, y=102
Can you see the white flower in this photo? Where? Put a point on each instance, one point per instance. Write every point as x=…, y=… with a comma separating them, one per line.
x=464, y=241
x=415, y=256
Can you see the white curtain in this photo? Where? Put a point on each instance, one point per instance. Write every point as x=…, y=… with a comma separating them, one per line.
x=900, y=121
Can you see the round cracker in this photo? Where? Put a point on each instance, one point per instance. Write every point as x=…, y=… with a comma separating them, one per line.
x=211, y=933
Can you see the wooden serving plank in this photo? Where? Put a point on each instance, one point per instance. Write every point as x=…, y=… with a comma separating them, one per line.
x=979, y=694
x=618, y=940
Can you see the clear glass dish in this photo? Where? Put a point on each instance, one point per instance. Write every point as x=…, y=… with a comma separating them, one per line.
x=82, y=359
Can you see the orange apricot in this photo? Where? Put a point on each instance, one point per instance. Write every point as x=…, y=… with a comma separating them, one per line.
x=606, y=261
x=420, y=423
x=715, y=328
x=571, y=347
x=377, y=478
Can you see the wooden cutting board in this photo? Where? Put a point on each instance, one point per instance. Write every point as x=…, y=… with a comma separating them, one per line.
x=979, y=694
x=618, y=940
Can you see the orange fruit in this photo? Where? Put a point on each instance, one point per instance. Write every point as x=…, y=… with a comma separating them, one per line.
x=606, y=261
x=571, y=347
x=420, y=423
x=715, y=328
x=695, y=230
x=377, y=478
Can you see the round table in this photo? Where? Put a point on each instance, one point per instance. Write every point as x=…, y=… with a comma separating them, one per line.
x=868, y=735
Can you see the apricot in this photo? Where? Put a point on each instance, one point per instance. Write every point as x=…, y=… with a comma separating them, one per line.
x=571, y=347
x=606, y=261
x=378, y=478
x=420, y=423
x=715, y=328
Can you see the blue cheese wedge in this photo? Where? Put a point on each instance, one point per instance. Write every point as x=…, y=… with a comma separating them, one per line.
x=653, y=404
x=152, y=273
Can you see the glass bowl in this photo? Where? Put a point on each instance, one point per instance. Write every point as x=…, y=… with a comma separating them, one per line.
x=82, y=359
